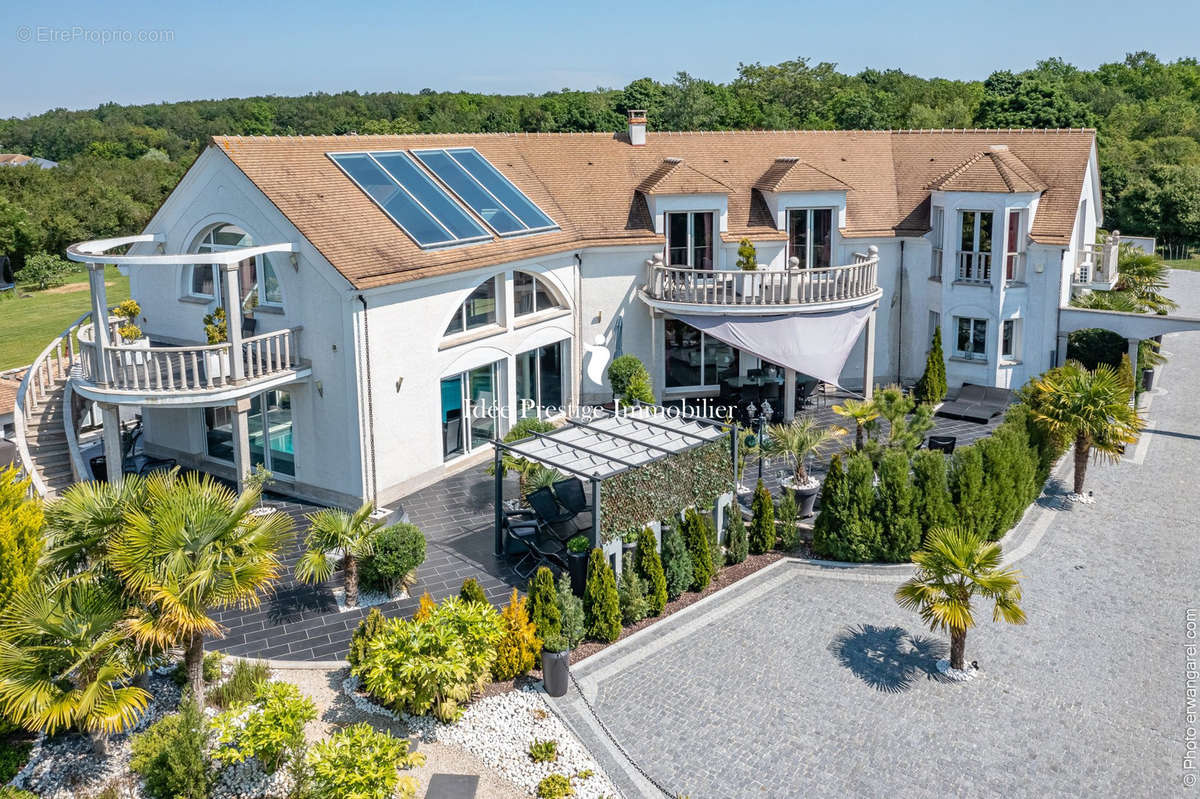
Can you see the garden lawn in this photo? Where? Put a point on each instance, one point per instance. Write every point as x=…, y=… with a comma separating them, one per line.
x=1190, y=264
x=29, y=320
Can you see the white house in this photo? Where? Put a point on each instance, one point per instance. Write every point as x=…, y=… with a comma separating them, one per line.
x=398, y=284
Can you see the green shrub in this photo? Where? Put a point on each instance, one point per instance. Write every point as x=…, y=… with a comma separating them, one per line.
x=543, y=751
x=649, y=566
x=967, y=490
x=846, y=528
x=640, y=389
x=270, y=728
x=621, y=371
x=211, y=669
x=241, y=685
x=14, y=754
x=472, y=591
x=371, y=625
x=396, y=553
x=554, y=786
x=931, y=504
x=899, y=533
x=747, y=259
x=435, y=663
x=570, y=611
x=695, y=537
x=9, y=792
x=785, y=512
x=170, y=755
x=632, y=593
x=360, y=762
x=578, y=544
x=518, y=649
x=45, y=270
x=543, y=604
x=931, y=388
x=715, y=553
x=21, y=523
x=761, y=536
x=736, y=543
x=601, y=603
x=677, y=561
x=829, y=527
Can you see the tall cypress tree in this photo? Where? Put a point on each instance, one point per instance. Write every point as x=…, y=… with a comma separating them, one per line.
x=762, y=522
x=966, y=490
x=829, y=528
x=931, y=388
x=695, y=537
x=601, y=603
x=931, y=505
x=677, y=562
x=899, y=532
x=649, y=565
x=543, y=605
x=863, y=541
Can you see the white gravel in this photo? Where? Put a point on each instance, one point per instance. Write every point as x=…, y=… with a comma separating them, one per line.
x=498, y=730
x=958, y=675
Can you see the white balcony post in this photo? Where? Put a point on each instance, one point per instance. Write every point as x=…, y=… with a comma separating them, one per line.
x=232, y=302
x=869, y=356
x=99, y=322
x=241, y=441
x=1133, y=365
x=789, y=395
x=110, y=416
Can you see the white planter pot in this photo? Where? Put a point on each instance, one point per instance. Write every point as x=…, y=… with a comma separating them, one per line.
x=135, y=358
x=216, y=364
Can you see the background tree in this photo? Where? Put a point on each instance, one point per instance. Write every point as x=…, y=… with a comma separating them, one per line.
x=953, y=568
x=195, y=548
x=931, y=387
x=335, y=532
x=1089, y=408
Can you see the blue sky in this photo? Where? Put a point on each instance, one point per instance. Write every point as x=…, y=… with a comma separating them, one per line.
x=52, y=54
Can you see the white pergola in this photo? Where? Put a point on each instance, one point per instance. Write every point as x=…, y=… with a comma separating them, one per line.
x=606, y=444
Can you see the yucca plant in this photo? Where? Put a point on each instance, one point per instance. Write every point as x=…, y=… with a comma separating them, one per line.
x=862, y=412
x=333, y=534
x=194, y=548
x=67, y=659
x=953, y=568
x=1089, y=408
x=800, y=439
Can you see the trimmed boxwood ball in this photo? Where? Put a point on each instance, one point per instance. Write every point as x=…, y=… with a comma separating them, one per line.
x=676, y=560
x=397, y=552
x=762, y=521
x=543, y=604
x=622, y=370
x=649, y=566
x=601, y=603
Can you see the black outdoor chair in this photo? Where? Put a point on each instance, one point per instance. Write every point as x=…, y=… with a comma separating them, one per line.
x=571, y=495
x=942, y=443
x=552, y=517
x=773, y=393
x=522, y=530
x=249, y=326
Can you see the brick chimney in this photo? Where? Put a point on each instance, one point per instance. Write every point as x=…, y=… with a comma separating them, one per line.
x=637, y=128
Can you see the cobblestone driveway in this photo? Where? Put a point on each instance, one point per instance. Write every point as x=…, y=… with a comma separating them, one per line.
x=807, y=682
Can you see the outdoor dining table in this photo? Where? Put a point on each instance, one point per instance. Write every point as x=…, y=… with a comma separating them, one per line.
x=743, y=381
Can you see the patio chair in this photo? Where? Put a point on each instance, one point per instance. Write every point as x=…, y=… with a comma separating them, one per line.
x=551, y=516
x=535, y=551
x=942, y=443
x=571, y=495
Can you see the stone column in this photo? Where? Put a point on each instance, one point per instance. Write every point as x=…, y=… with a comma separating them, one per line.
x=241, y=441
x=789, y=395
x=869, y=355
x=231, y=301
x=1060, y=356
x=1133, y=364
x=110, y=416
x=99, y=322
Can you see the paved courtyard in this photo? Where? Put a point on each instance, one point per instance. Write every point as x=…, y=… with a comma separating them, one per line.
x=810, y=681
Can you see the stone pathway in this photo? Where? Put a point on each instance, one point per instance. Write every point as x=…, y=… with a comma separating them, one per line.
x=811, y=681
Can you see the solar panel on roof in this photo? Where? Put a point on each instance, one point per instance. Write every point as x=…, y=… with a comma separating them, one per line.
x=486, y=190
x=414, y=202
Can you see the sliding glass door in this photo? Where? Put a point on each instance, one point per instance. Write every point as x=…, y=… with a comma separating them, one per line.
x=810, y=237
x=690, y=239
x=539, y=376
x=268, y=427
x=470, y=403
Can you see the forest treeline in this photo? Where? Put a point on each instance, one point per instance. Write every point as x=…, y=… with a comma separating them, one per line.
x=119, y=161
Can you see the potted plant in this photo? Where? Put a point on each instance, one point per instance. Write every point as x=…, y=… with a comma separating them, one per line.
x=129, y=335
x=628, y=542
x=578, y=548
x=798, y=441
x=747, y=261
x=556, y=665
x=257, y=480
x=216, y=362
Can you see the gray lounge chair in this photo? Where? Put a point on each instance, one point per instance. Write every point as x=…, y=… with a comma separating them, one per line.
x=976, y=403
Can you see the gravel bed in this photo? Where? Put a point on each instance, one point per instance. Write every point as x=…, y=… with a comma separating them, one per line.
x=498, y=730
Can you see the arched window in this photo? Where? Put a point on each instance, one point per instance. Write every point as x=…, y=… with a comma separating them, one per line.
x=532, y=295
x=478, y=310
x=257, y=286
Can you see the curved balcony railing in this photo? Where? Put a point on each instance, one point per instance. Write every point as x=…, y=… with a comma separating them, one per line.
x=765, y=288
x=142, y=368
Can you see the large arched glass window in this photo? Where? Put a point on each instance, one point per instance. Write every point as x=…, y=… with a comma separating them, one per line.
x=532, y=295
x=258, y=286
x=478, y=310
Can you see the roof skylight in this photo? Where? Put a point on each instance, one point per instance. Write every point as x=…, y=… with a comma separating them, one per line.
x=485, y=190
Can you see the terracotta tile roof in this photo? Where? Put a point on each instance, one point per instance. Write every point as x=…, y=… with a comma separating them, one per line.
x=589, y=184
x=9, y=383
x=14, y=159
x=994, y=169
x=673, y=176
x=792, y=174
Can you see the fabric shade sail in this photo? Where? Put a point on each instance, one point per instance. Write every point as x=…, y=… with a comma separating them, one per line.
x=813, y=344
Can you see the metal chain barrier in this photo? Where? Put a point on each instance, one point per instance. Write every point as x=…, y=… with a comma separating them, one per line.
x=617, y=744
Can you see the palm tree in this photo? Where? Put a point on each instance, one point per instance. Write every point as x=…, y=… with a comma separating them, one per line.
x=85, y=520
x=953, y=567
x=861, y=411
x=334, y=532
x=66, y=661
x=195, y=547
x=798, y=440
x=1090, y=408
x=1145, y=277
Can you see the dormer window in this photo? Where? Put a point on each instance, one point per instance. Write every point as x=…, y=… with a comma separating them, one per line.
x=531, y=295
x=810, y=237
x=690, y=239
